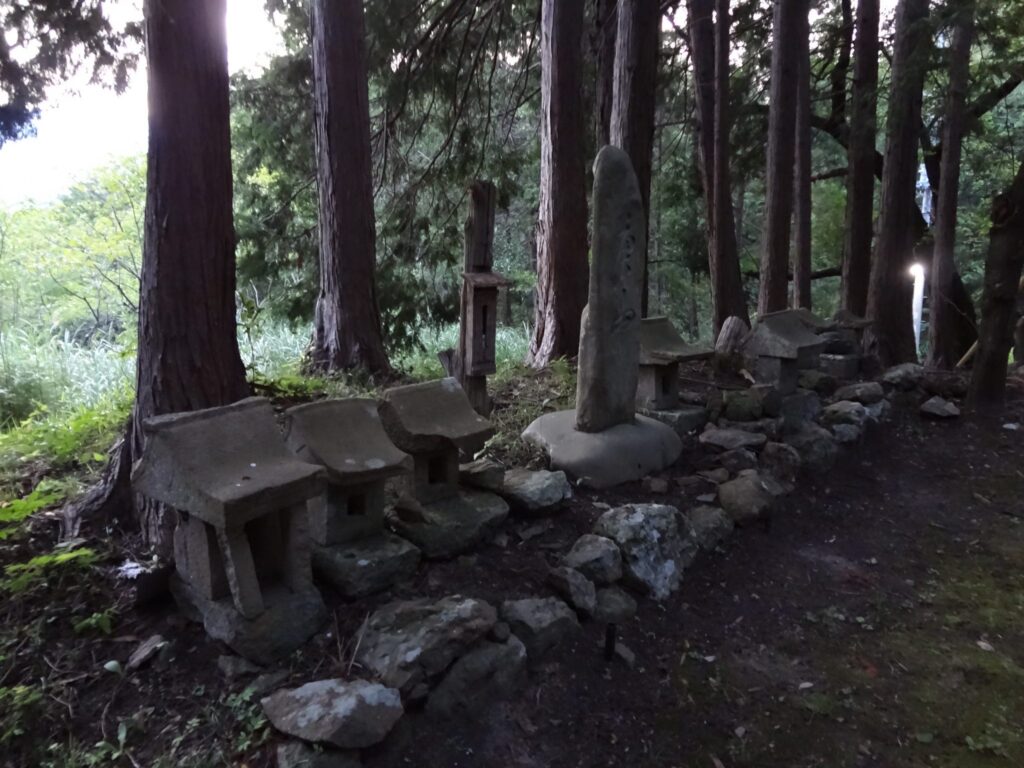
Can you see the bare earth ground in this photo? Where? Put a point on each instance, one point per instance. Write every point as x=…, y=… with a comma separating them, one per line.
x=879, y=622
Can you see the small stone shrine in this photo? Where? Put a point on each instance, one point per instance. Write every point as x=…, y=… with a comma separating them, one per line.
x=603, y=442
x=662, y=349
x=435, y=423
x=779, y=346
x=352, y=550
x=241, y=546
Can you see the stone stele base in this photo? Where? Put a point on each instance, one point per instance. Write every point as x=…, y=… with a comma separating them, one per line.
x=362, y=567
x=288, y=621
x=621, y=454
x=449, y=527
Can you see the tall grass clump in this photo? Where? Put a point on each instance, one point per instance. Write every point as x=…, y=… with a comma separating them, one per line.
x=421, y=363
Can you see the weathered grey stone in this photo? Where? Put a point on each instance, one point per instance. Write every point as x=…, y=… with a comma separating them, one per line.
x=844, y=412
x=737, y=460
x=781, y=461
x=535, y=492
x=298, y=754
x=905, y=376
x=234, y=667
x=710, y=526
x=816, y=446
x=817, y=381
x=411, y=642
x=842, y=341
x=743, y=404
x=716, y=476
x=770, y=428
x=619, y=454
x=145, y=652
x=729, y=439
x=784, y=335
x=847, y=434
x=842, y=367
x=683, y=420
x=610, y=328
x=939, y=408
x=863, y=392
x=745, y=498
x=657, y=485
x=488, y=673
x=540, y=622
x=598, y=558
x=655, y=543
x=366, y=566
x=485, y=474
x=449, y=527
x=288, y=620
x=781, y=373
x=348, y=714
x=429, y=417
x=575, y=588
x=266, y=683
x=878, y=412
x=614, y=606
x=799, y=408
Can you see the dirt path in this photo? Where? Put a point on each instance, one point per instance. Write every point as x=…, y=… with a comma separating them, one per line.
x=880, y=622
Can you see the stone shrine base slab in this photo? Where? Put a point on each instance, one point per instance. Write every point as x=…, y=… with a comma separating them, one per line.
x=363, y=567
x=683, y=420
x=289, y=619
x=620, y=454
x=451, y=526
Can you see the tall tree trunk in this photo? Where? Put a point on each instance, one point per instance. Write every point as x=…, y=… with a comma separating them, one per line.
x=860, y=178
x=347, y=331
x=634, y=95
x=562, y=272
x=606, y=28
x=890, y=338
x=711, y=86
x=942, y=315
x=999, y=298
x=188, y=347
x=837, y=77
x=802, y=207
x=781, y=147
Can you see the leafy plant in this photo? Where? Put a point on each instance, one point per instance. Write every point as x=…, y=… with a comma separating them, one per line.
x=102, y=621
x=18, y=704
x=13, y=513
x=21, y=577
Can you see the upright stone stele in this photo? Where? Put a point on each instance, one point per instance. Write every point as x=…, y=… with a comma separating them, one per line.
x=241, y=546
x=610, y=328
x=352, y=550
x=602, y=442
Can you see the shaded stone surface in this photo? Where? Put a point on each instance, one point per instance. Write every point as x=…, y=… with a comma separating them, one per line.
x=781, y=461
x=610, y=328
x=366, y=566
x=799, y=408
x=863, y=392
x=784, y=335
x=745, y=498
x=818, y=381
x=844, y=412
x=486, y=474
x=535, y=492
x=660, y=342
x=842, y=367
x=737, y=459
x=847, y=434
x=410, y=642
x=488, y=673
x=619, y=454
x=683, y=420
x=614, y=605
x=540, y=622
x=427, y=417
x=816, y=446
x=575, y=588
x=347, y=714
x=729, y=439
x=710, y=526
x=905, y=376
x=939, y=408
x=743, y=404
x=450, y=526
x=288, y=620
x=655, y=543
x=596, y=557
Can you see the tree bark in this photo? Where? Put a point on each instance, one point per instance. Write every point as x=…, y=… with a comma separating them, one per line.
x=781, y=146
x=711, y=86
x=942, y=313
x=347, y=329
x=860, y=180
x=890, y=338
x=606, y=24
x=634, y=96
x=999, y=297
x=562, y=269
x=188, y=346
x=802, y=207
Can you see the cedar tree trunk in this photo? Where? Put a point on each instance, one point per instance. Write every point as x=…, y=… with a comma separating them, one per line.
x=802, y=207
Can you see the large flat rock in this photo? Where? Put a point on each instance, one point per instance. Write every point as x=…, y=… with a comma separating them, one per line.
x=365, y=566
x=449, y=527
x=620, y=454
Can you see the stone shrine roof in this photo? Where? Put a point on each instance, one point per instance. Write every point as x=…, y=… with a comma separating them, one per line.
x=432, y=416
x=661, y=344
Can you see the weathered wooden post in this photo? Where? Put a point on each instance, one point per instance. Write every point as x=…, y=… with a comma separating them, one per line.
x=475, y=358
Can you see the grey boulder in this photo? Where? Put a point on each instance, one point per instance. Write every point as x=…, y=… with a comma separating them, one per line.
x=816, y=446
x=729, y=439
x=596, y=557
x=540, y=622
x=614, y=606
x=864, y=392
x=575, y=588
x=939, y=408
x=709, y=525
x=535, y=492
x=745, y=498
x=488, y=673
